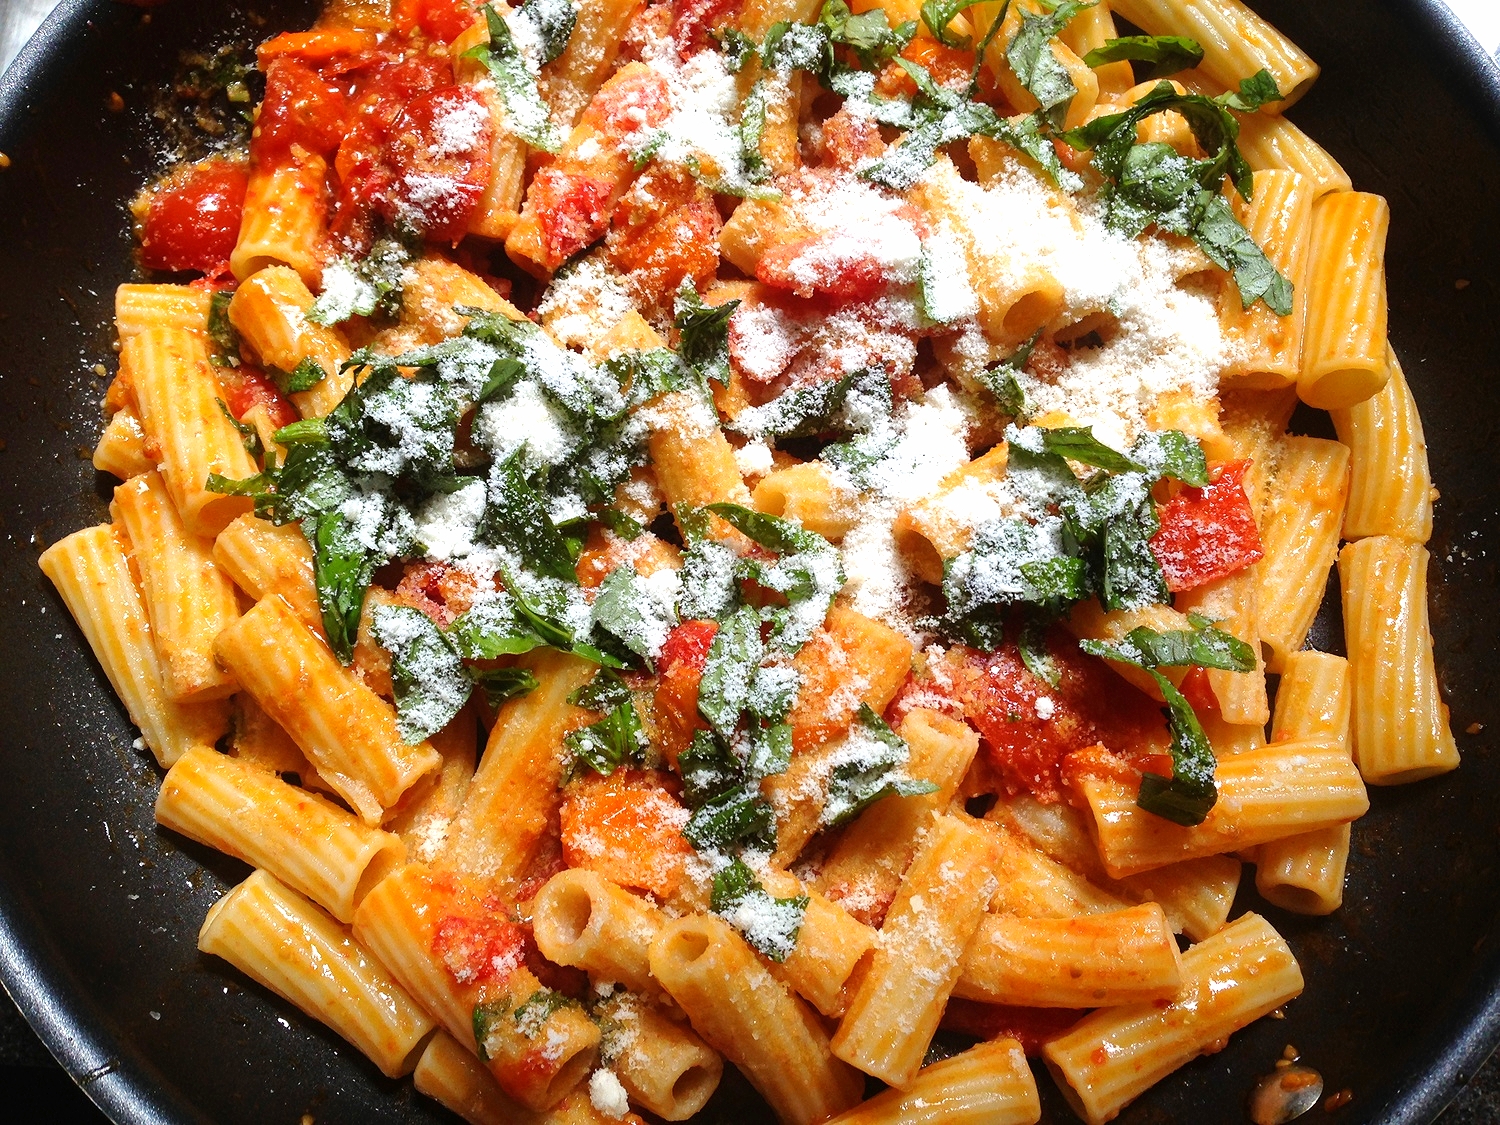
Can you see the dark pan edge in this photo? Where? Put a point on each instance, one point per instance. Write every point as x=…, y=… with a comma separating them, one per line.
x=129, y=1090
x=1478, y=70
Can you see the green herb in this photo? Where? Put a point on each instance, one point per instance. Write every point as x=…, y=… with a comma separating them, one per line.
x=342, y=569
x=538, y=1008
x=875, y=772
x=249, y=435
x=1078, y=443
x=552, y=23
x=1189, y=794
x=1257, y=90
x=938, y=14
x=431, y=683
x=221, y=330
x=769, y=924
x=1204, y=645
x=628, y=610
x=751, y=129
x=808, y=572
x=304, y=377
x=528, y=115
x=1152, y=183
x=1164, y=55
x=370, y=286
x=485, y=1019
x=798, y=412
x=708, y=768
x=939, y=117
x=703, y=333
x=869, y=35
x=500, y=684
x=1002, y=382
x=613, y=740
x=1032, y=645
x=516, y=517
x=738, y=816
x=626, y=527
x=303, y=431
x=1038, y=69
x=737, y=47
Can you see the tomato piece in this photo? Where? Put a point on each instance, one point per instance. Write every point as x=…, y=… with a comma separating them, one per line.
x=1032, y=1026
x=193, y=220
x=440, y=153
x=838, y=264
x=446, y=20
x=630, y=101
x=693, y=19
x=299, y=109
x=628, y=827
x=480, y=948
x=948, y=66
x=316, y=46
x=246, y=387
x=572, y=211
x=679, y=669
x=1207, y=533
x=665, y=229
x=1028, y=727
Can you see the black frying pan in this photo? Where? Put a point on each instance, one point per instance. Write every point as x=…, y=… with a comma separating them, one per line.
x=99, y=909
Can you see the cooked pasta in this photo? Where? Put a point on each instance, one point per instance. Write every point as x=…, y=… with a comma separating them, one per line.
x=683, y=533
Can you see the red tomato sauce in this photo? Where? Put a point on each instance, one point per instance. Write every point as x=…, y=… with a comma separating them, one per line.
x=1026, y=739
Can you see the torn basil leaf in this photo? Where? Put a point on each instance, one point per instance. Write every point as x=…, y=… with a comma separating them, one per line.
x=304, y=377
x=938, y=14
x=868, y=768
x=798, y=412
x=703, y=333
x=737, y=816
x=430, y=680
x=370, y=286
x=769, y=924
x=1036, y=67
x=628, y=608
x=528, y=115
x=1204, y=645
x=221, y=330
x=500, y=684
x=1163, y=55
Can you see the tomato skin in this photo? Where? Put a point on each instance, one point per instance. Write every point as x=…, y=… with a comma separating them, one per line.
x=835, y=264
x=679, y=670
x=193, y=223
x=246, y=387
x=572, y=211
x=440, y=155
x=1091, y=704
x=299, y=109
x=1207, y=533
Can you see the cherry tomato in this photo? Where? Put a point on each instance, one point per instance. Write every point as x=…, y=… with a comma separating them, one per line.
x=1207, y=533
x=299, y=109
x=444, y=20
x=194, y=220
x=440, y=154
x=246, y=387
x=572, y=211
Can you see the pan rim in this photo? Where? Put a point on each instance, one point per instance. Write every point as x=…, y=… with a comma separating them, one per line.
x=130, y=1090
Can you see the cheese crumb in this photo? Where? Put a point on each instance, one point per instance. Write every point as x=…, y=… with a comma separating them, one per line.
x=608, y=1094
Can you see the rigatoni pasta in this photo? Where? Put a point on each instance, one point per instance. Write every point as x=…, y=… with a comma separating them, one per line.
x=673, y=534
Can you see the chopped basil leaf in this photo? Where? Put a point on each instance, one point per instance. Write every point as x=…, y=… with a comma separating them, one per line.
x=737, y=816
x=703, y=333
x=551, y=22
x=798, y=412
x=769, y=924
x=869, y=35
x=938, y=14
x=1032, y=644
x=1254, y=92
x=737, y=47
x=1078, y=443
x=1204, y=645
x=528, y=115
x=305, y=431
x=1038, y=69
x=613, y=740
x=628, y=609
x=1164, y=55
x=249, y=435
x=538, y=1008
x=500, y=684
x=708, y=770
x=221, y=330
x=1152, y=183
x=626, y=527
x=751, y=128
x=867, y=769
x=304, y=377
x=368, y=287
x=516, y=517
x=431, y=683
x=1189, y=795
x=725, y=689
x=1001, y=381
x=342, y=569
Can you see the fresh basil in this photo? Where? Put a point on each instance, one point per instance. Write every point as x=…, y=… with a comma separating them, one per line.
x=868, y=769
x=1163, y=55
x=430, y=680
x=528, y=114
x=769, y=924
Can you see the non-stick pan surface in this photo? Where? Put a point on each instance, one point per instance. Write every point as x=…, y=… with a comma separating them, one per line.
x=99, y=908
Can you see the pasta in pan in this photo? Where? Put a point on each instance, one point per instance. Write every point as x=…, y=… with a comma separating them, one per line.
x=750, y=531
